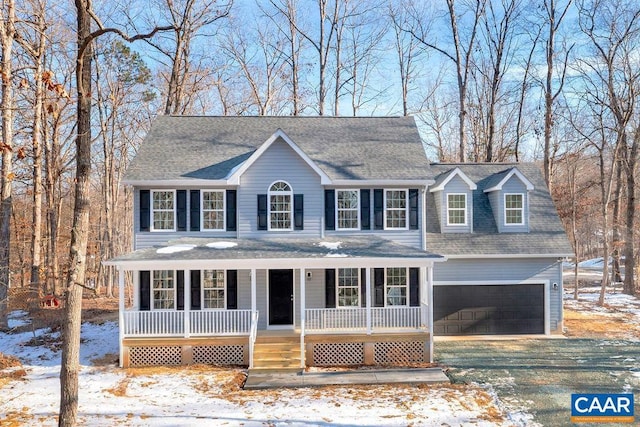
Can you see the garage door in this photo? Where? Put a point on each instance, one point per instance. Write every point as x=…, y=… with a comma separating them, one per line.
x=488, y=309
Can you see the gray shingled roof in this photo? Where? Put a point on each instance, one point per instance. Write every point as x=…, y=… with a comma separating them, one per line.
x=546, y=234
x=184, y=147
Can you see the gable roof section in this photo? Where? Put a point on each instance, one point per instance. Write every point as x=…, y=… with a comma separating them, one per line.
x=235, y=174
x=179, y=149
x=499, y=179
x=444, y=179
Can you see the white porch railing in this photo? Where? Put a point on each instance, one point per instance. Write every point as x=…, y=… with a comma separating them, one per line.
x=172, y=323
x=355, y=319
x=252, y=336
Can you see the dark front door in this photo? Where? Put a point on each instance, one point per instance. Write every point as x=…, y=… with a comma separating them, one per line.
x=281, y=297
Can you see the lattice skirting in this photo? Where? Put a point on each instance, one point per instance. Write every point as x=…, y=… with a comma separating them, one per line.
x=386, y=353
x=335, y=354
x=155, y=356
x=219, y=354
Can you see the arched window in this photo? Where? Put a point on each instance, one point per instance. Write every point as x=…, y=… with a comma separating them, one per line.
x=280, y=206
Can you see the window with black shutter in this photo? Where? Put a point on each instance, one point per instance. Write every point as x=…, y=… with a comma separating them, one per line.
x=194, y=210
x=330, y=209
x=414, y=287
x=145, y=210
x=232, y=289
x=262, y=211
x=145, y=290
x=330, y=288
x=298, y=211
x=231, y=210
x=181, y=210
x=365, y=209
x=195, y=290
x=413, y=209
x=378, y=209
x=378, y=287
x=180, y=289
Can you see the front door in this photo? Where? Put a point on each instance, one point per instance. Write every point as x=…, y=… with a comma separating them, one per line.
x=280, y=297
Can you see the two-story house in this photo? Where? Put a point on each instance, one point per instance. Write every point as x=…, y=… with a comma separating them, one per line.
x=296, y=241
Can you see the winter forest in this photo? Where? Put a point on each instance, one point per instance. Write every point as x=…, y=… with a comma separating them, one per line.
x=550, y=81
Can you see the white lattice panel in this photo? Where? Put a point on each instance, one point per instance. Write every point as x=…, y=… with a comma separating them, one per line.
x=155, y=356
x=398, y=352
x=335, y=354
x=219, y=354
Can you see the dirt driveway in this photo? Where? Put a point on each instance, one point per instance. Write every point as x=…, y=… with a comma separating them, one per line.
x=538, y=376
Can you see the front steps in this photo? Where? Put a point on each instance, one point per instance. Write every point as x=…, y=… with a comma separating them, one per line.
x=276, y=353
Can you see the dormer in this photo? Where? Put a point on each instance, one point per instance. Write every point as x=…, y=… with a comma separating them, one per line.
x=508, y=193
x=453, y=195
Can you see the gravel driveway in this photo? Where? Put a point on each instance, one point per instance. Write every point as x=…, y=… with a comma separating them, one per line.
x=538, y=376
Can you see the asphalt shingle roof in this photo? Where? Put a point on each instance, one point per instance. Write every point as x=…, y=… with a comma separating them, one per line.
x=183, y=147
x=546, y=234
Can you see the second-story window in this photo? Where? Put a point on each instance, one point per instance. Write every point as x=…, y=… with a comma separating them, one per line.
x=163, y=210
x=280, y=206
x=213, y=211
x=395, y=212
x=514, y=209
x=347, y=204
x=456, y=209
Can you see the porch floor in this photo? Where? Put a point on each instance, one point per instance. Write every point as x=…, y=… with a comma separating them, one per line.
x=263, y=380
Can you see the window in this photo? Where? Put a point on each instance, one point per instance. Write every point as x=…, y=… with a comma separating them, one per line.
x=163, y=210
x=348, y=202
x=213, y=212
x=164, y=290
x=213, y=289
x=348, y=287
x=456, y=209
x=396, y=286
x=395, y=212
x=280, y=206
x=513, y=209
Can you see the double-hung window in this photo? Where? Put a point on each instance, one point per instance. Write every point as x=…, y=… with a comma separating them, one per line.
x=457, y=209
x=347, y=209
x=280, y=206
x=163, y=212
x=514, y=209
x=396, y=286
x=395, y=212
x=213, y=289
x=348, y=287
x=164, y=290
x=213, y=210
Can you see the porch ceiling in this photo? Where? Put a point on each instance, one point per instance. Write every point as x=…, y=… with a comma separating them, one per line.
x=362, y=251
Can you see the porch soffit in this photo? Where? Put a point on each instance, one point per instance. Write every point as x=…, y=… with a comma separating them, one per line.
x=367, y=251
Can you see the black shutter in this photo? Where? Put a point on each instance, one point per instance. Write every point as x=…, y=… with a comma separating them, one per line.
x=378, y=209
x=413, y=209
x=231, y=210
x=145, y=290
x=363, y=287
x=232, y=289
x=262, y=211
x=330, y=209
x=330, y=288
x=145, y=210
x=378, y=287
x=195, y=290
x=414, y=287
x=365, y=209
x=194, y=210
x=181, y=210
x=298, y=211
x=180, y=289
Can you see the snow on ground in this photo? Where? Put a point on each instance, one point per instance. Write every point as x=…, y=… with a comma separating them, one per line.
x=204, y=395
x=615, y=303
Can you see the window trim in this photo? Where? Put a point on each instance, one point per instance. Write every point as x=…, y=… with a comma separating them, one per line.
x=521, y=209
x=406, y=209
x=406, y=286
x=224, y=210
x=152, y=299
x=337, y=209
x=464, y=224
x=291, y=210
x=202, y=289
x=358, y=289
x=152, y=211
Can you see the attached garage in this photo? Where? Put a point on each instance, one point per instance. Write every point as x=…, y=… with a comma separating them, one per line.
x=489, y=309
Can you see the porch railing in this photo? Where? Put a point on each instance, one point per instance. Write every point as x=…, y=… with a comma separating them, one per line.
x=252, y=336
x=354, y=319
x=172, y=323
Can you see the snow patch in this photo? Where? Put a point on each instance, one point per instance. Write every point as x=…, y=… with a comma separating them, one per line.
x=18, y=318
x=334, y=255
x=222, y=245
x=332, y=246
x=175, y=248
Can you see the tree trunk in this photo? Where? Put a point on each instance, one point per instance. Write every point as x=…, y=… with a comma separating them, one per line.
x=629, y=252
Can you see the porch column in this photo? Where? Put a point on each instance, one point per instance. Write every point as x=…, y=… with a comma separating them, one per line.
x=303, y=317
x=187, y=303
x=369, y=290
x=430, y=309
x=121, y=312
x=424, y=296
x=254, y=300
